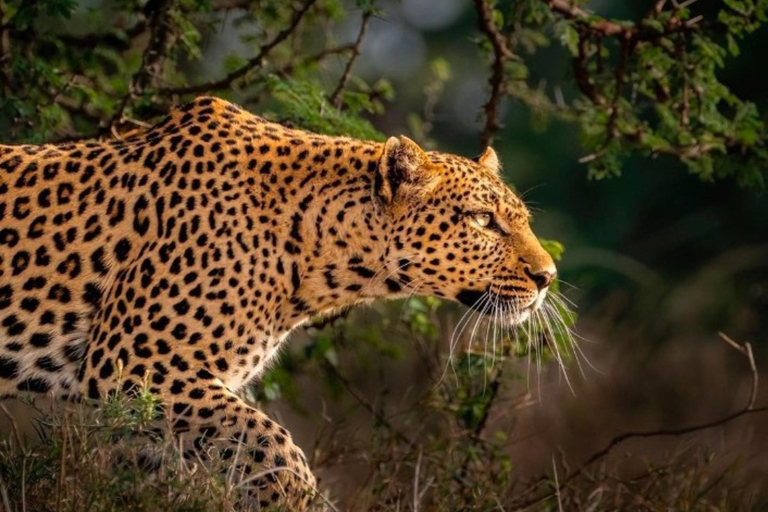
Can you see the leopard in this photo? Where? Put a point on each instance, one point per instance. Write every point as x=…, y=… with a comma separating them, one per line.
x=184, y=255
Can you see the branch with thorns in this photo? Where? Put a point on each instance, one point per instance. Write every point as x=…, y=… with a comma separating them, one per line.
x=501, y=54
x=335, y=97
x=161, y=36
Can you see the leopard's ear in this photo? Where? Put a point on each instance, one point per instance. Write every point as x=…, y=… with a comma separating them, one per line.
x=489, y=160
x=402, y=163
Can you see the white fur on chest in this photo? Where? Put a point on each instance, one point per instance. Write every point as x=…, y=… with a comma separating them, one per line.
x=268, y=356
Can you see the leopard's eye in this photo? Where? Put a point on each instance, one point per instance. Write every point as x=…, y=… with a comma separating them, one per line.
x=483, y=219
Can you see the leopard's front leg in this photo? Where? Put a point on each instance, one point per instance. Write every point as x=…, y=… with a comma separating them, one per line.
x=260, y=455
x=134, y=342
x=267, y=463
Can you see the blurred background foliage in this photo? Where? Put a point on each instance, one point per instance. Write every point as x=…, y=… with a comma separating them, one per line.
x=634, y=130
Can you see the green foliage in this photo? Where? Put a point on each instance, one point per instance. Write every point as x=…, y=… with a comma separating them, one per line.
x=418, y=315
x=554, y=248
x=648, y=87
x=65, y=80
x=305, y=105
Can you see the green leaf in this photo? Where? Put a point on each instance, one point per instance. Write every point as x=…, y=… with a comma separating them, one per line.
x=553, y=247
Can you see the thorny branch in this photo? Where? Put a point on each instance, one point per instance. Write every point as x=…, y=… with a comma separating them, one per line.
x=591, y=30
x=335, y=97
x=612, y=132
x=501, y=54
x=161, y=37
x=581, y=73
x=289, y=66
x=254, y=62
x=630, y=31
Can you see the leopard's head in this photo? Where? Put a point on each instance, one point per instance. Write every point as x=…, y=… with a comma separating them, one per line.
x=457, y=231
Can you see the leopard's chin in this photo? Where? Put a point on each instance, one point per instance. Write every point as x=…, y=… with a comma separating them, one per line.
x=527, y=312
x=521, y=317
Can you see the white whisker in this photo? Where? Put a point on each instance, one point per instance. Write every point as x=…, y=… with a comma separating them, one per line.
x=555, y=348
x=480, y=318
x=458, y=330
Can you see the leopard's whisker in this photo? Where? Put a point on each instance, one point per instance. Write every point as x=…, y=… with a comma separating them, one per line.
x=480, y=318
x=555, y=347
x=558, y=326
x=562, y=298
x=576, y=339
x=458, y=331
x=539, y=346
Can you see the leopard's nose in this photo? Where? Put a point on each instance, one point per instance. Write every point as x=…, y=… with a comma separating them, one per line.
x=542, y=278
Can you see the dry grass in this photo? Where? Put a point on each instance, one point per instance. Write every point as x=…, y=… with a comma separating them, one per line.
x=94, y=460
x=105, y=459
x=113, y=458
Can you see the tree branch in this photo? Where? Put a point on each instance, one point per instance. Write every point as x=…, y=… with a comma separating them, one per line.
x=368, y=407
x=290, y=66
x=573, y=11
x=581, y=73
x=335, y=97
x=501, y=54
x=628, y=30
x=152, y=60
x=160, y=41
x=254, y=62
x=477, y=432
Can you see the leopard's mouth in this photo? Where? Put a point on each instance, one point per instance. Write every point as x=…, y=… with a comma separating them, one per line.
x=502, y=308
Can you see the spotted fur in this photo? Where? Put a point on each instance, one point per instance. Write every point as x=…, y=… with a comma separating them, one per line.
x=187, y=253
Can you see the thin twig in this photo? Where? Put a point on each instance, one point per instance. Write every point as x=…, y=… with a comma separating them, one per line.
x=4, y=494
x=581, y=73
x=335, y=97
x=291, y=65
x=658, y=6
x=416, y=494
x=746, y=351
x=606, y=27
x=557, y=485
x=573, y=11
